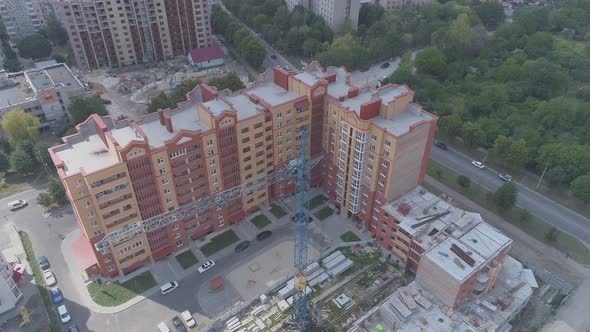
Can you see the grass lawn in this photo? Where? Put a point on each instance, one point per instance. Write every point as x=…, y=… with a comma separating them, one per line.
x=349, y=237
x=40, y=281
x=186, y=259
x=535, y=227
x=324, y=213
x=12, y=183
x=219, y=242
x=115, y=293
x=261, y=221
x=277, y=211
x=316, y=201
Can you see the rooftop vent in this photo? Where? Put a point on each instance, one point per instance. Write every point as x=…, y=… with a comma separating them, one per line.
x=404, y=209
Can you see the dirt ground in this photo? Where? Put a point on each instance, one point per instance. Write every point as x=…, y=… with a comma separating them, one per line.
x=573, y=314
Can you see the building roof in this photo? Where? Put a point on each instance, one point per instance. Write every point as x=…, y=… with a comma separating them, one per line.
x=471, y=315
x=85, y=151
x=453, y=263
x=206, y=53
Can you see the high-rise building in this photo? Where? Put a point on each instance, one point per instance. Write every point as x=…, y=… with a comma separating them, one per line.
x=10, y=294
x=115, y=33
x=23, y=17
x=117, y=173
x=334, y=12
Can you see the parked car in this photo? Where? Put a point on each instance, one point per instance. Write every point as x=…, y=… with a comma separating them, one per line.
x=206, y=267
x=309, y=219
x=441, y=145
x=365, y=68
x=162, y=327
x=49, y=278
x=505, y=177
x=56, y=296
x=64, y=315
x=263, y=235
x=242, y=246
x=106, y=102
x=478, y=164
x=189, y=320
x=43, y=262
x=73, y=328
x=178, y=325
x=385, y=65
x=272, y=56
x=18, y=204
x=168, y=287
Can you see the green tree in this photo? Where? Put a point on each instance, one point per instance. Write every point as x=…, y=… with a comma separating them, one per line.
x=12, y=65
x=555, y=176
x=518, y=155
x=433, y=62
x=34, y=46
x=161, y=101
x=20, y=126
x=502, y=147
x=41, y=153
x=56, y=191
x=228, y=81
x=178, y=95
x=464, y=181
x=44, y=199
x=491, y=13
x=581, y=188
x=22, y=161
x=253, y=52
x=4, y=162
x=83, y=107
x=451, y=125
x=525, y=216
x=505, y=196
x=56, y=33
x=370, y=14
x=472, y=134
x=551, y=235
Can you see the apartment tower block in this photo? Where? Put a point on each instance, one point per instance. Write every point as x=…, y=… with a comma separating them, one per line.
x=115, y=33
x=118, y=173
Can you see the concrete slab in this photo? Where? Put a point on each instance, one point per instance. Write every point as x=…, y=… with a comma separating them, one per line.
x=251, y=279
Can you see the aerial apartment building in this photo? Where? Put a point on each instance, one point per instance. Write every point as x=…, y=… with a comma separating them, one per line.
x=334, y=12
x=118, y=173
x=24, y=17
x=115, y=33
x=10, y=293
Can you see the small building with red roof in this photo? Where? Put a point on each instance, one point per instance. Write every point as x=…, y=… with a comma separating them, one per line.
x=205, y=57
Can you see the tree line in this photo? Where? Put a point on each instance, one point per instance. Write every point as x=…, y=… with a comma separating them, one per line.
x=245, y=44
x=298, y=32
x=522, y=91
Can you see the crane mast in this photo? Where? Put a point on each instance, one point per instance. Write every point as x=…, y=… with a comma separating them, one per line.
x=300, y=171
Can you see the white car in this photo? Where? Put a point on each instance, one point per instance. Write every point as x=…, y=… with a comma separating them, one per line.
x=505, y=177
x=168, y=287
x=15, y=205
x=478, y=164
x=49, y=278
x=64, y=315
x=189, y=320
x=206, y=267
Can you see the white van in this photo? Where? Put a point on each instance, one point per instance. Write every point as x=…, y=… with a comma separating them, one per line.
x=15, y=205
x=162, y=327
x=168, y=287
x=189, y=320
x=64, y=316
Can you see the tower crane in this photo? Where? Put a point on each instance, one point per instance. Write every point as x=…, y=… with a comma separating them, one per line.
x=297, y=169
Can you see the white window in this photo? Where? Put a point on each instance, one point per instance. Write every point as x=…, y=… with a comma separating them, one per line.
x=162, y=171
x=165, y=181
x=371, y=157
x=177, y=235
x=175, y=227
x=107, y=259
x=381, y=182
x=91, y=214
x=167, y=191
x=209, y=142
x=79, y=183
x=97, y=233
x=82, y=194
x=213, y=171
x=386, y=154
x=94, y=224
x=179, y=243
x=387, y=143
x=221, y=223
x=212, y=162
x=87, y=204
x=279, y=115
x=111, y=268
x=215, y=181
x=210, y=153
x=169, y=200
x=160, y=161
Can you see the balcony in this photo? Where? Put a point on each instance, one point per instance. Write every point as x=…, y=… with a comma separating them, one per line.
x=122, y=220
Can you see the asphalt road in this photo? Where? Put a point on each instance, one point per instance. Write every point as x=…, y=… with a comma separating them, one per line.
x=538, y=205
